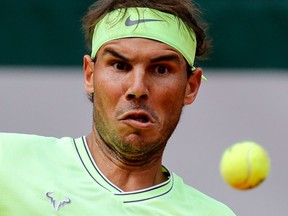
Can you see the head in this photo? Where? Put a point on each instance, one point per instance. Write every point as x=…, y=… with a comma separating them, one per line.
x=184, y=9
x=139, y=85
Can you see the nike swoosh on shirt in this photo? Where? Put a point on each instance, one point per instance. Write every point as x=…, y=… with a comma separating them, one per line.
x=130, y=22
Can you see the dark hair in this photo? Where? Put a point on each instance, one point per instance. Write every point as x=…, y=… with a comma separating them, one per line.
x=184, y=9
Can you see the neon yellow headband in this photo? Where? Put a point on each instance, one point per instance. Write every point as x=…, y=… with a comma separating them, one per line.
x=146, y=23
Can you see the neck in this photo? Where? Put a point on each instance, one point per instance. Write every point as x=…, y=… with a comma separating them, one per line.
x=126, y=174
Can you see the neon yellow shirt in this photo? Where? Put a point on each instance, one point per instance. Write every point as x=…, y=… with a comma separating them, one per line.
x=51, y=176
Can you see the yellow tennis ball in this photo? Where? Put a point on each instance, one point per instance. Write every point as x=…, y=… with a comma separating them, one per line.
x=245, y=165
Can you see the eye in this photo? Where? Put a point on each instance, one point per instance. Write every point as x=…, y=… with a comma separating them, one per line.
x=122, y=66
x=161, y=69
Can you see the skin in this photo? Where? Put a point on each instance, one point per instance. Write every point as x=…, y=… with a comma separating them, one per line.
x=140, y=87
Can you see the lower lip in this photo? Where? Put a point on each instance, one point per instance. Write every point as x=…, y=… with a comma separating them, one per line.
x=138, y=124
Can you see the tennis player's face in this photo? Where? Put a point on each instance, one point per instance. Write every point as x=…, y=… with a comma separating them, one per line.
x=139, y=87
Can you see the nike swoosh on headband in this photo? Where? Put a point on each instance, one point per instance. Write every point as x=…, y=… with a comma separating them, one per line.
x=129, y=22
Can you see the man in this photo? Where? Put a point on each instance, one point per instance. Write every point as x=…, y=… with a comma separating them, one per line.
x=139, y=76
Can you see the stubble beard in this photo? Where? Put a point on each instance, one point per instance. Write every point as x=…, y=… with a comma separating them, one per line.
x=126, y=151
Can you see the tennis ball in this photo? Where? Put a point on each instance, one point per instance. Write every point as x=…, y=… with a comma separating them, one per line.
x=245, y=165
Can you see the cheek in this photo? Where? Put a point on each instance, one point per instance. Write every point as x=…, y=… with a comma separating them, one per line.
x=169, y=113
x=106, y=83
x=173, y=95
x=107, y=93
x=104, y=97
x=171, y=102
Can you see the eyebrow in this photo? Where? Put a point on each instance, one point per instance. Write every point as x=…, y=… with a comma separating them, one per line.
x=170, y=57
x=109, y=51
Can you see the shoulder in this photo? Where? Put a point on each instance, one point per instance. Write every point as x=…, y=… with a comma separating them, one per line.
x=20, y=138
x=29, y=139
x=202, y=203
x=27, y=145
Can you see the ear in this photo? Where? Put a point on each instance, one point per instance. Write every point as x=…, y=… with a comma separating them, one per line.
x=193, y=85
x=88, y=68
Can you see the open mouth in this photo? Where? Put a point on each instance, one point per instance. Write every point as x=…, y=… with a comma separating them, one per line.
x=139, y=118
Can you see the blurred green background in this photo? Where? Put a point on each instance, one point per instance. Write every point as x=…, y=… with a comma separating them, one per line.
x=246, y=33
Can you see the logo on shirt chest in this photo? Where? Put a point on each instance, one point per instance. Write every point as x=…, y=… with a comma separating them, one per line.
x=57, y=202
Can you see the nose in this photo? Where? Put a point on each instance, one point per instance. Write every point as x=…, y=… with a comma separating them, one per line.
x=137, y=86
